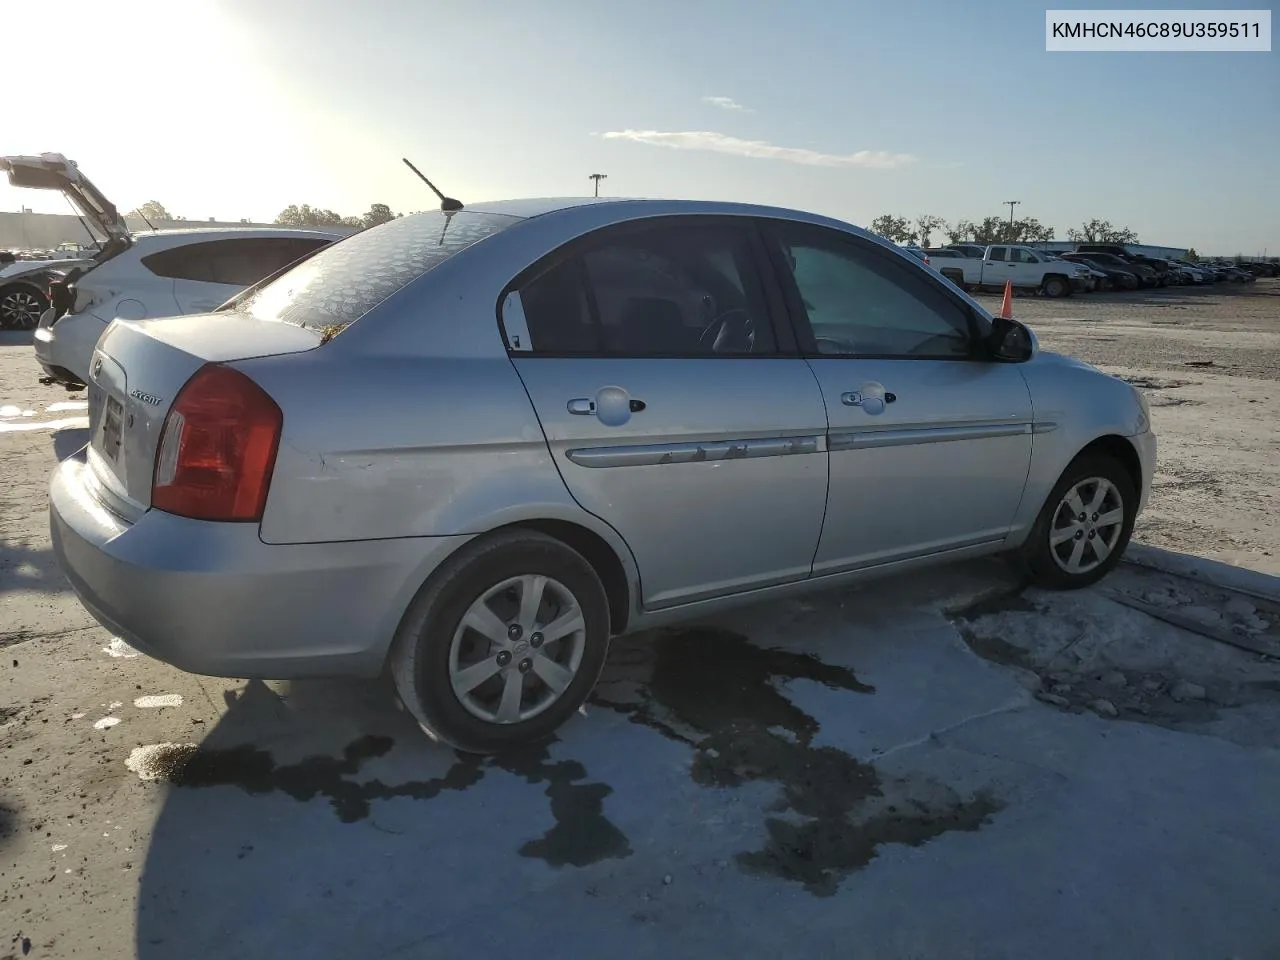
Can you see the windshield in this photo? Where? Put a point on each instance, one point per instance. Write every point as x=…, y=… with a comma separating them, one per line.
x=345, y=281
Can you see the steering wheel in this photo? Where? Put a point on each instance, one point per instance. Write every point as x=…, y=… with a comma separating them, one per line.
x=726, y=329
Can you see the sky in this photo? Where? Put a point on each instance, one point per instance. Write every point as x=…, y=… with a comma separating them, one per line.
x=852, y=108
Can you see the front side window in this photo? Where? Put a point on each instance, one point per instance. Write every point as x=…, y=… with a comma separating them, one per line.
x=669, y=290
x=860, y=303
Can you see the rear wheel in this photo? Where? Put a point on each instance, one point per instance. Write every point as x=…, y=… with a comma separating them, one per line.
x=503, y=643
x=1084, y=526
x=20, y=307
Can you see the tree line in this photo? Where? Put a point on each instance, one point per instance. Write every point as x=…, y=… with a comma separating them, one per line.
x=993, y=230
x=294, y=215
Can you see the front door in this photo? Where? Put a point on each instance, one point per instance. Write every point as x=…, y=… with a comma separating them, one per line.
x=929, y=443
x=651, y=357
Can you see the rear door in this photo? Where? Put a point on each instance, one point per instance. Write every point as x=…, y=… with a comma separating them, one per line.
x=929, y=443
x=674, y=404
x=996, y=268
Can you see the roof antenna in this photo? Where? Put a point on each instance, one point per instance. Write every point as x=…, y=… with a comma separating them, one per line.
x=447, y=204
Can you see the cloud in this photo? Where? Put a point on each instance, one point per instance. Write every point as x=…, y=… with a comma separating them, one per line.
x=723, y=143
x=727, y=103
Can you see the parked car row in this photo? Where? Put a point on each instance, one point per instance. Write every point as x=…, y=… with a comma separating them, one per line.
x=1091, y=266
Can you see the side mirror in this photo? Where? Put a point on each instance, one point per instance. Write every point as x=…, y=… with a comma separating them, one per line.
x=1010, y=341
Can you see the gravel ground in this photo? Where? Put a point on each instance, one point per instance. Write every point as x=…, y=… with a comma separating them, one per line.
x=1229, y=329
x=1054, y=775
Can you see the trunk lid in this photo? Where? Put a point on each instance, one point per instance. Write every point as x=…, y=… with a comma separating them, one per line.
x=136, y=373
x=53, y=171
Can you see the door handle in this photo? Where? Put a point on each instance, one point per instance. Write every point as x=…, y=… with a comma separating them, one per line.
x=854, y=398
x=583, y=407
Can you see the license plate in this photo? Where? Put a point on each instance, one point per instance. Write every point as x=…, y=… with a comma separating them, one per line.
x=112, y=418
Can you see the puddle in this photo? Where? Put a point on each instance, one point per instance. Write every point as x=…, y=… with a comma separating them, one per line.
x=717, y=691
x=582, y=834
x=255, y=772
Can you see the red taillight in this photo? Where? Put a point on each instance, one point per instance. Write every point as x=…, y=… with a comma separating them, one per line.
x=217, y=449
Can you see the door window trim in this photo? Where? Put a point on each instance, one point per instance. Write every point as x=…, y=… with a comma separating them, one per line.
x=799, y=316
x=772, y=298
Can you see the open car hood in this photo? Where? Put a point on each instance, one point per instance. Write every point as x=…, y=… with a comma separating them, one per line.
x=53, y=171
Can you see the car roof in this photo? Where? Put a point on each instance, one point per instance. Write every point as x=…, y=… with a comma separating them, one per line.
x=537, y=207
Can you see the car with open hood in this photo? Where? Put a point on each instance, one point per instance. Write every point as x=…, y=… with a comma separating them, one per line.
x=136, y=277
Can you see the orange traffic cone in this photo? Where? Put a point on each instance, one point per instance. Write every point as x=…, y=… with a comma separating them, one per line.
x=1006, y=308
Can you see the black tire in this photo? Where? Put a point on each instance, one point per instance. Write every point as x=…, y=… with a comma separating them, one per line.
x=420, y=653
x=1037, y=555
x=21, y=306
x=1056, y=287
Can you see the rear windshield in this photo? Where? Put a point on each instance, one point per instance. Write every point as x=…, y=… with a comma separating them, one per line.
x=345, y=281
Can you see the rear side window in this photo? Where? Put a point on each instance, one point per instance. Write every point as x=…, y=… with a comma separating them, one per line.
x=236, y=262
x=675, y=290
x=340, y=284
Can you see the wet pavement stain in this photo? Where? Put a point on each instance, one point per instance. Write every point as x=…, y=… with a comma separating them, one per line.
x=254, y=771
x=716, y=691
x=582, y=834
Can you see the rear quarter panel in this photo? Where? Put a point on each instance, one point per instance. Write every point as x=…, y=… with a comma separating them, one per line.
x=395, y=446
x=1075, y=404
x=412, y=423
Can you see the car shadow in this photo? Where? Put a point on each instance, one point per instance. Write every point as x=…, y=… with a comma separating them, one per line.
x=25, y=566
x=69, y=441
x=16, y=338
x=316, y=819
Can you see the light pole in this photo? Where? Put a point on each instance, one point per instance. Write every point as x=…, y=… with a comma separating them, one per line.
x=597, y=177
x=1011, y=204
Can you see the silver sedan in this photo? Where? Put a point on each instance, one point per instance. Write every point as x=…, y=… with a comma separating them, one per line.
x=474, y=445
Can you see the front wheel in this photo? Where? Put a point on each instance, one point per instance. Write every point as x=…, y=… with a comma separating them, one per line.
x=1084, y=526
x=1056, y=287
x=503, y=643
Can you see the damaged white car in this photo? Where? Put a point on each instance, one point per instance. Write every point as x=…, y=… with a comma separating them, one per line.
x=135, y=277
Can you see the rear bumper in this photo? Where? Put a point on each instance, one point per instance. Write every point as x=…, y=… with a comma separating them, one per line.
x=65, y=346
x=212, y=598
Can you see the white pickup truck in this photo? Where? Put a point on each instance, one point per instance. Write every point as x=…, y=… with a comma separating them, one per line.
x=1026, y=267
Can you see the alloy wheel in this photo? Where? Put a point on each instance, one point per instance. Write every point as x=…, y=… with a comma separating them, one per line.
x=20, y=310
x=1086, y=525
x=517, y=649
